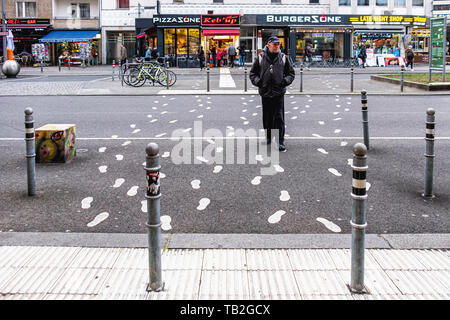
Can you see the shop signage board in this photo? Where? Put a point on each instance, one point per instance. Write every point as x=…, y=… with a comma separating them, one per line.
x=27, y=21
x=336, y=19
x=170, y=20
x=438, y=45
x=220, y=20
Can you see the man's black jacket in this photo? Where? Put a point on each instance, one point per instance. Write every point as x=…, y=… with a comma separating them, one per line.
x=272, y=84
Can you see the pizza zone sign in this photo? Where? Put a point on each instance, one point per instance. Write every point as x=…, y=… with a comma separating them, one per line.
x=176, y=20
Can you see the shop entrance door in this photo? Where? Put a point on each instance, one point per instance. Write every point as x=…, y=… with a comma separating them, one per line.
x=249, y=49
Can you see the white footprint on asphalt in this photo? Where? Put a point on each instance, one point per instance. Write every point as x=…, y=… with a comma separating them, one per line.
x=337, y=119
x=133, y=126
x=246, y=123
x=321, y=123
x=256, y=180
x=203, y=203
x=335, y=172
x=166, y=154
x=336, y=113
x=144, y=206
x=284, y=196
x=217, y=169
x=202, y=159
x=338, y=106
x=118, y=182
x=119, y=157
x=294, y=118
x=101, y=149
x=346, y=109
x=162, y=175
x=99, y=218
x=153, y=120
x=114, y=136
x=133, y=191
x=316, y=135
x=102, y=169
x=276, y=217
x=337, y=131
x=344, y=143
x=278, y=168
x=160, y=135
x=329, y=225
x=200, y=116
x=173, y=121
x=321, y=150
x=193, y=110
x=350, y=162
x=195, y=184
x=303, y=111
x=126, y=143
x=137, y=130
x=149, y=116
x=165, y=220
x=86, y=202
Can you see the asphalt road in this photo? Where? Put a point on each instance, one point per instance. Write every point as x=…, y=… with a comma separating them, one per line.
x=310, y=192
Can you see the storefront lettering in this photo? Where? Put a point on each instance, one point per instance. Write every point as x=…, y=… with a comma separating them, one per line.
x=177, y=20
x=220, y=20
x=304, y=19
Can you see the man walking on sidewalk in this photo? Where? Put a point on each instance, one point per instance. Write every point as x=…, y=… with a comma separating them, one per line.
x=272, y=72
x=123, y=54
x=231, y=54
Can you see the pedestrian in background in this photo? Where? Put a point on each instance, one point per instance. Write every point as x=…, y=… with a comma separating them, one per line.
x=219, y=57
x=225, y=56
x=231, y=54
x=123, y=54
x=363, y=56
x=272, y=72
x=201, y=57
x=409, y=53
x=241, y=49
x=214, y=55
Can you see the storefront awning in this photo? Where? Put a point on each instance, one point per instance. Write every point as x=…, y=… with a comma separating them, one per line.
x=70, y=36
x=220, y=32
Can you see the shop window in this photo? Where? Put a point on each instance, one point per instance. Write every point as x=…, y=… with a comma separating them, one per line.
x=345, y=2
x=182, y=41
x=417, y=3
x=194, y=41
x=383, y=3
x=399, y=3
x=123, y=4
x=314, y=1
x=363, y=2
x=26, y=9
x=169, y=41
x=85, y=11
x=246, y=32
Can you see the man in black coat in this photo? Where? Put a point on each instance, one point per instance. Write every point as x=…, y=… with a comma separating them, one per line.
x=272, y=72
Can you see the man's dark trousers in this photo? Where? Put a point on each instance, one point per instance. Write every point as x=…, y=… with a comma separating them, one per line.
x=273, y=116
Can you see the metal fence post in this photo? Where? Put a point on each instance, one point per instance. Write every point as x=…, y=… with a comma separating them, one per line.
x=301, y=77
x=429, y=154
x=153, y=194
x=365, y=118
x=30, y=149
x=113, y=69
x=351, y=78
x=358, y=221
x=207, y=79
x=245, y=78
x=402, y=71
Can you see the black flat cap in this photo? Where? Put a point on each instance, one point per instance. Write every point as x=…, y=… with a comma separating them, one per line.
x=273, y=39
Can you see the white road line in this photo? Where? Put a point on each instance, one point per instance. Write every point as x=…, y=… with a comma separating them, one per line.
x=225, y=80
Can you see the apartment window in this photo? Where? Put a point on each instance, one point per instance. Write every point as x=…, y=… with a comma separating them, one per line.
x=85, y=11
x=417, y=3
x=382, y=3
x=123, y=4
x=345, y=2
x=399, y=3
x=74, y=10
x=313, y=1
x=363, y=2
x=26, y=9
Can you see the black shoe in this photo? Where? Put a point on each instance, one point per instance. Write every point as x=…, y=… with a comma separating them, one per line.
x=282, y=147
x=267, y=141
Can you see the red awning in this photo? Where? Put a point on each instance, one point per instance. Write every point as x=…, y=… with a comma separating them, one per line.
x=220, y=32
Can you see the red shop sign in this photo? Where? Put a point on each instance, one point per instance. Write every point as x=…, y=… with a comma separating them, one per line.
x=220, y=20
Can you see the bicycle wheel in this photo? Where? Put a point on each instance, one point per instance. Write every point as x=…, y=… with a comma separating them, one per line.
x=127, y=73
x=137, y=78
x=166, y=75
x=172, y=78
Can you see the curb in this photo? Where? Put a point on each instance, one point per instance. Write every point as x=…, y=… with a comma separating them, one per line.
x=225, y=241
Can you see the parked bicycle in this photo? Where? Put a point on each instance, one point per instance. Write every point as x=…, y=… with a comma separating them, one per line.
x=137, y=74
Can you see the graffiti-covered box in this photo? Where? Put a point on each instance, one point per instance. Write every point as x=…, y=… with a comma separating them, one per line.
x=55, y=143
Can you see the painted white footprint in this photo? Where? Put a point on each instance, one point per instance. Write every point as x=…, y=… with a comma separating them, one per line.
x=256, y=180
x=203, y=203
x=217, y=169
x=86, y=202
x=165, y=220
x=133, y=191
x=284, y=196
x=99, y=218
x=195, y=184
x=321, y=150
x=144, y=206
x=101, y=149
x=335, y=172
x=276, y=217
x=329, y=225
x=119, y=157
x=118, y=182
x=102, y=169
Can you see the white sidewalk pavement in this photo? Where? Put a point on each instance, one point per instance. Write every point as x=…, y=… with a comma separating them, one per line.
x=59, y=272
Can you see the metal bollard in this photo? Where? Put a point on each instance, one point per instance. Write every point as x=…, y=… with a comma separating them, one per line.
x=351, y=78
x=402, y=71
x=126, y=65
x=301, y=77
x=113, y=69
x=358, y=221
x=59, y=64
x=365, y=118
x=167, y=79
x=31, y=154
x=70, y=60
x=429, y=154
x=120, y=70
x=207, y=79
x=42, y=67
x=153, y=224
x=245, y=79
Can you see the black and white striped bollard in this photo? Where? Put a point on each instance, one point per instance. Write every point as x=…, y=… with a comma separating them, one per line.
x=113, y=69
x=153, y=195
x=207, y=79
x=31, y=154
x=402, y=74
x=245, y=79
x=429, y=154
x=365, y=118
x=358, y=221
x=301, y=77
